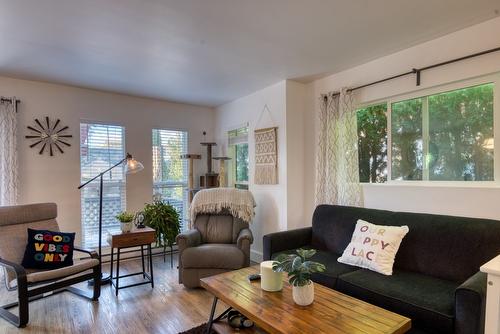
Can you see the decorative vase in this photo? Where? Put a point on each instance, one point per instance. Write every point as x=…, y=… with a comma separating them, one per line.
x=126, y=227
x=303, y=295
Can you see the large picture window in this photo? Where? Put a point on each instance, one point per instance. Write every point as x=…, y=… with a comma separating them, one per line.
x=446, y=136
x=372, y=143
x=101, y=146
x=170, y=172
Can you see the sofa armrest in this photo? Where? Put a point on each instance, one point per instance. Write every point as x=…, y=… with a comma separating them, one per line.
x=244, y=237
x=470, y=304
x=191, y=238
x=244, y=240
x=281, y=241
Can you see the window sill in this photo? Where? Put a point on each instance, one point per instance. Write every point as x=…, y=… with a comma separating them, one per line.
x=436, y=184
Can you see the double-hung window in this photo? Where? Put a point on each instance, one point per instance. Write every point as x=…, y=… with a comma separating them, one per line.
x=101, y=146
x=444, y=136
x=170, y=172
x=238, y=152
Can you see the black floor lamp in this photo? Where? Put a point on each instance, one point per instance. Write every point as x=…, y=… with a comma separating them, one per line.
x=132, y=166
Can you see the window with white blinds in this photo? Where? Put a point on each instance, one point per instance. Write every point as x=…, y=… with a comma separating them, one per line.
x=101, y=146
x=170, y=172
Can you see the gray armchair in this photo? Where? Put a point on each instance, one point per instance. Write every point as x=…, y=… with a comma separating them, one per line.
x=32, y=284
x=218, y=243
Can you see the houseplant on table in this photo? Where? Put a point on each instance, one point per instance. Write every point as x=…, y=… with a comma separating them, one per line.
x=299, y=271
x=126, y=220
x=165, y=220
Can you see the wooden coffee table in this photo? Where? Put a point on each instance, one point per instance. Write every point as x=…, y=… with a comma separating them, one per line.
x=275, y=312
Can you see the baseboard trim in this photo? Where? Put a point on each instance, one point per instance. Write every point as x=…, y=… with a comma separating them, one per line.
x=256, y=256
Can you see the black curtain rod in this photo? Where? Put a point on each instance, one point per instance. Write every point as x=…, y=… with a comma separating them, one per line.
x=3, y=99
x=418, y=71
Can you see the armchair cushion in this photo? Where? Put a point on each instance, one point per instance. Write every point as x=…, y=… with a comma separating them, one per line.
x=37, y=276
x=216, y=256
x=48, y=249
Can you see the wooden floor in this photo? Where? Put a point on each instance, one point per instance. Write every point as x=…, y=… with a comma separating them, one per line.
x=168, y=308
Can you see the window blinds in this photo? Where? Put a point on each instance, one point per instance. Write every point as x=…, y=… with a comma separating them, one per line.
x=170, y=172
x=101, y=146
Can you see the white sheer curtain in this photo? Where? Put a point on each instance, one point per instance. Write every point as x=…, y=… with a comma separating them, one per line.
x=8, y=153
x=337, y=175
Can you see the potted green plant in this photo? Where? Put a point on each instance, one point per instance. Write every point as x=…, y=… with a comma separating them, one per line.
x=165, y=219
x=127, y=221
x=299, y=271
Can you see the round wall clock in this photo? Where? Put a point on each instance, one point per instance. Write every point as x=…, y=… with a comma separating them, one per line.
x=48, y=136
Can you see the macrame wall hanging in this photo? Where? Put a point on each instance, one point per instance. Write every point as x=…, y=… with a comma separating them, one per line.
x=266, y=152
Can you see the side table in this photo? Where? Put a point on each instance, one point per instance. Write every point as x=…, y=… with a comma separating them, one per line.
x=492, y=321
x=138, y=237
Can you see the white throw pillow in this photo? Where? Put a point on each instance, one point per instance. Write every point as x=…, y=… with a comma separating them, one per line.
x=374, y=247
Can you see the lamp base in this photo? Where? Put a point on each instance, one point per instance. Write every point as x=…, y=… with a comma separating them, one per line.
x=104, y=281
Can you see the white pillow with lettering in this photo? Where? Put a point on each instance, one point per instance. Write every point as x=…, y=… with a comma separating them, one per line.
x=374, y=247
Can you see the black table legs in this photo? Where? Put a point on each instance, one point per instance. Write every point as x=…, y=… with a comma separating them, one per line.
x=115, y=280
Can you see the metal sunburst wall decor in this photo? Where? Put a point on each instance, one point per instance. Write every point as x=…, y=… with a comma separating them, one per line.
x=49, y=136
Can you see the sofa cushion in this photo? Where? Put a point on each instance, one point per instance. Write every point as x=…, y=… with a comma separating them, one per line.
x=333, y=268
x=217, y=256
x=428, y=301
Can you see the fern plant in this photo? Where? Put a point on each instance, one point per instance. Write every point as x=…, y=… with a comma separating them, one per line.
x=164, y=218
x=297, y=266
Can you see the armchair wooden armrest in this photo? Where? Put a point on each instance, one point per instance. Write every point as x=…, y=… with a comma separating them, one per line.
x=93, y=254
x=19, y=271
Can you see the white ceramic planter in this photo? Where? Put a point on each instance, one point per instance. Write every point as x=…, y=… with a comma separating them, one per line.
x=126, y=227
x=303, y=295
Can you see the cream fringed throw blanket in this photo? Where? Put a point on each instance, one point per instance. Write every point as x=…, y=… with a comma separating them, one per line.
x=240, y=203
x=266, y=156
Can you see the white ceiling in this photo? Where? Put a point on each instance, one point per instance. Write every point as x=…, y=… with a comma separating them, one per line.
x=209, y=52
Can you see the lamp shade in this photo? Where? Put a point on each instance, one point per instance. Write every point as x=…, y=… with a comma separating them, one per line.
x=133, y=166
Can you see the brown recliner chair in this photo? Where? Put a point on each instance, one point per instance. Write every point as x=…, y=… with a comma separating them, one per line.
x=218, y=243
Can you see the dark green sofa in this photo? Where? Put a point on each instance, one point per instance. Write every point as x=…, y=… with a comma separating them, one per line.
x=436, y=280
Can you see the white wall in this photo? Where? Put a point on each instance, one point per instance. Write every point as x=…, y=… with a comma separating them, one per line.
x=271, y=199
x=55, y=179
x=295, y=114
x=280, y=206
x=468, y=200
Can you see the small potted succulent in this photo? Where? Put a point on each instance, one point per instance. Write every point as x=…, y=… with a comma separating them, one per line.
x=299, y=271
x=126, y=221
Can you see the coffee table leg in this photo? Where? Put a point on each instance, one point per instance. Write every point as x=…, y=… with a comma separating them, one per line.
x=212, y=313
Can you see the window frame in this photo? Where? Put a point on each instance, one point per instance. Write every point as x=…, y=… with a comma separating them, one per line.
x=439, y=89
x=124, y=199
x=185, y=215
x=233, y=165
